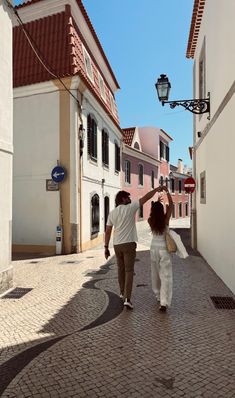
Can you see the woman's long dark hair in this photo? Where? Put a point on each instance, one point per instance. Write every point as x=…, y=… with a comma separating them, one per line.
x=157, y=218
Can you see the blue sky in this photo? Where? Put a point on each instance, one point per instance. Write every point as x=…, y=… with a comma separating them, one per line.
x=142, y=39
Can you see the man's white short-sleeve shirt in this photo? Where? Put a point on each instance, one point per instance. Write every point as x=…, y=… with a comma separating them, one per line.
x=122, y=218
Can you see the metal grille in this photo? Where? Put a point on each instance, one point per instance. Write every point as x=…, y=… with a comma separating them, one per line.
x=17, y=293
x=223, y=302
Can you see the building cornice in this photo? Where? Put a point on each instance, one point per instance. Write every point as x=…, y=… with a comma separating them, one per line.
x=140, y=155
x=197, y=15
x=33, y=10
x=89, y=97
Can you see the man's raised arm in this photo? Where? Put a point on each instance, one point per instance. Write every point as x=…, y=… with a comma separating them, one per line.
x=149, y=195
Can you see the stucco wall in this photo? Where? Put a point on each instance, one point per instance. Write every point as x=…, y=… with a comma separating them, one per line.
x=36, y=142
x=134, y=188
x=215, y=151
x=6, y=148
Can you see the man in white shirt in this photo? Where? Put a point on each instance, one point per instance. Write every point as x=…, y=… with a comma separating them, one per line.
x=122, y=218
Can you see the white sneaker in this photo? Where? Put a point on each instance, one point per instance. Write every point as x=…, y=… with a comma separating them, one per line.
x=128, y=304
x=121, y=296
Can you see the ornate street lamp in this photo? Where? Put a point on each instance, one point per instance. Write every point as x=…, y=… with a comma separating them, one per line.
x=197, y=106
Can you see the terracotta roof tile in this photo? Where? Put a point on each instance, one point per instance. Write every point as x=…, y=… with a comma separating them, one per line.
x=59, y=43
x=197, y=15
x=83, y=10
x=128, y=135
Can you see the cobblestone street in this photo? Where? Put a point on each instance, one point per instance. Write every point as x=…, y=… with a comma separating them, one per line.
x=70, y=337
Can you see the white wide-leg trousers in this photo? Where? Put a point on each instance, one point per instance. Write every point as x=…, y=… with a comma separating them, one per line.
x=161, y=273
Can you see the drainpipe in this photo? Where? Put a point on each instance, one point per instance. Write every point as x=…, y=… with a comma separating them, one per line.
x=80, y=155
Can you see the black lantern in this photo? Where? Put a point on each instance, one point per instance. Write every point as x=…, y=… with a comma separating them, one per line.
x=163, y=87
x=197, y=106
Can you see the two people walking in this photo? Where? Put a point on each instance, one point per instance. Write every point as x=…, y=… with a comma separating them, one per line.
x=122, y=219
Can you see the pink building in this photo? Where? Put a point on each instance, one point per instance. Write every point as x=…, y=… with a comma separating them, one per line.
x=141, y=165
x=182, y=200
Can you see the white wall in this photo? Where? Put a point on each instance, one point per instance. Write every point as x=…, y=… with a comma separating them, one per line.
x=215, y=152
x=36, y=143
x=6, y=148
x=93, y=173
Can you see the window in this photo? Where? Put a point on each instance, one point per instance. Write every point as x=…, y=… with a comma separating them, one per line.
x=202, y=73
x=102, y=88
x=166, y=182
x=141, y=212
x=186, y=209
x=152, y=179
x=112, y=104
x=203, y=187
x=95, y=215
x=172, y=185
x=127, y=171
x=180, y=209
x=161, y=180
x=92, y=137
x=136, y=145
x=180, y=186
x=105, y=148
x=164, y=151
x=87, y=59
x=173, y=211
x=141, y=174
x=117, y=157
x=106, y=210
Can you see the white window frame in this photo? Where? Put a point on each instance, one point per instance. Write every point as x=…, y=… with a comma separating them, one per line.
x=139, y=183
x=102, y=87
x=127, y=172
x=112, y=103
x=203, y=187
x=88, y=58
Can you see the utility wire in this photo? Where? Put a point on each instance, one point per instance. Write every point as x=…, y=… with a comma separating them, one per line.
x=36, y=50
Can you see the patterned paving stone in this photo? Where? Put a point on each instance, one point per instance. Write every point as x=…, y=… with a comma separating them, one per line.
x=187, y=352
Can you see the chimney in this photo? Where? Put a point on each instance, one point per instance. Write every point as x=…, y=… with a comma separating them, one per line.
x=180, y=166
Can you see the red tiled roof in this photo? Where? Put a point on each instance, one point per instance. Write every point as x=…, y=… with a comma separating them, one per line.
x=83, y=10
x=59, y=43
x=128, y=135
x=198, y=10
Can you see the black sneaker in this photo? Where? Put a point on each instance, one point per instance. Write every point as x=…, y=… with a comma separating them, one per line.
x=128, y=304
x=162, y=308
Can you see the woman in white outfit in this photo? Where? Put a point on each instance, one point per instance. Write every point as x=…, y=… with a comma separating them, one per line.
x=161, y=264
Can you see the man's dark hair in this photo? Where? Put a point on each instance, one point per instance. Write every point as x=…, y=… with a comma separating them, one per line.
x=120, y=196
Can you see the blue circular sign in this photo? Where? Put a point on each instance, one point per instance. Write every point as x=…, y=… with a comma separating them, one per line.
x=58, y=174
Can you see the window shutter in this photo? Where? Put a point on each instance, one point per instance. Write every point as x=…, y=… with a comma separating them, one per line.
x=118, y=158
x=167, y=153
x=89, y=135
x=103, y=146
x=161, y=149
x=94, y=139
x=107, y=149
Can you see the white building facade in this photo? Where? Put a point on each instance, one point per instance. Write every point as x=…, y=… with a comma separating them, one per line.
x=212, y=47
x=69, y=119
x=6, y=147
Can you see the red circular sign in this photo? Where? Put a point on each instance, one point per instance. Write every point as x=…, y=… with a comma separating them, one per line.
x=189, y=185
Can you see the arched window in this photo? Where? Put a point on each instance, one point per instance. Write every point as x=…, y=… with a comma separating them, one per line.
x=127, y=171
x=95, y=215
x=117, y=157
x=152, y=179
x=161, y=181
x=105, y=147
x=136, y=145
x=106, y=210
x=141, y=174
x=92, y=137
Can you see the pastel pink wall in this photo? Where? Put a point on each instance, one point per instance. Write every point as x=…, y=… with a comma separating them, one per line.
x=135, y=190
